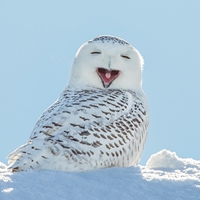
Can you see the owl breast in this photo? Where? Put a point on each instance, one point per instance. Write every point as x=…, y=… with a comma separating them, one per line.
x=88, y=129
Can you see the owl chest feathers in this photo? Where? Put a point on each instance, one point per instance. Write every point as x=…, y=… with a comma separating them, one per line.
x=107, y=127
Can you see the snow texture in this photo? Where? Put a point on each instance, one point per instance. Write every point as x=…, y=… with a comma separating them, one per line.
x=165, y=159
x=166, y=176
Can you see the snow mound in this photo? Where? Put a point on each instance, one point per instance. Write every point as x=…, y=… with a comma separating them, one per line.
x=165, y=159
x=166, y=165
x=181, y=182
x=3, y=167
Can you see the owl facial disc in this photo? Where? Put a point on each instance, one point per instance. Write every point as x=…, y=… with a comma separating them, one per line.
x=107, y=76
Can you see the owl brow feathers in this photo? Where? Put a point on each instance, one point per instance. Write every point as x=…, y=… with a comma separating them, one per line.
x=109, y=39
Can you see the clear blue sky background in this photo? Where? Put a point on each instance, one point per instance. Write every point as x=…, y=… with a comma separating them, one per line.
x=38, y=41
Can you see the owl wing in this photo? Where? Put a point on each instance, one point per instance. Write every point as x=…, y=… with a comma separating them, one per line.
x=86, y=123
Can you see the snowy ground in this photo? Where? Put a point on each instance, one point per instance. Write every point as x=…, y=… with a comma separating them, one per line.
x=164, y=177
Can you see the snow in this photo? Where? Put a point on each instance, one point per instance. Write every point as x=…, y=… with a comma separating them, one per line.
x=165, y=176
x=165, y=159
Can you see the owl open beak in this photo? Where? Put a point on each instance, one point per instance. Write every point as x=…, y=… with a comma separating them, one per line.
x=107, y=76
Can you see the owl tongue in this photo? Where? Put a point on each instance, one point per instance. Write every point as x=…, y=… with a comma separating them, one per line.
x=107, y=76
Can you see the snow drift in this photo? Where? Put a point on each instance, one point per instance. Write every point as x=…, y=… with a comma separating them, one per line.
x=166, y=176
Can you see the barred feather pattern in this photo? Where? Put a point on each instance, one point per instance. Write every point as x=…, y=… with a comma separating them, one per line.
x=85, y=130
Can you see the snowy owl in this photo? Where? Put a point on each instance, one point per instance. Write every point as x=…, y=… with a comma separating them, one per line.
x=100, y=119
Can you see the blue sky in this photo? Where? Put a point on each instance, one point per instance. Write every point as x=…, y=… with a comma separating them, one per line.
x=38, y=41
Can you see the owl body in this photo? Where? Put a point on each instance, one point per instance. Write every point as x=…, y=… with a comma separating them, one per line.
x=95, y=123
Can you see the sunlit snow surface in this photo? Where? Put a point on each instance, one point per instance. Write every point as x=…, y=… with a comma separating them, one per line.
x=166, y=176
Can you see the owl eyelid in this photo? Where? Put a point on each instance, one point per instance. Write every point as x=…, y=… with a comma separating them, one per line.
x=96, y=52
x=123, y=56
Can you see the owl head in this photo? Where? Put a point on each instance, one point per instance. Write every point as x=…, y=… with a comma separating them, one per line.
x=107, y=62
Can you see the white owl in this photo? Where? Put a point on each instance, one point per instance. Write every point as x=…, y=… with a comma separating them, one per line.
x=101, y=118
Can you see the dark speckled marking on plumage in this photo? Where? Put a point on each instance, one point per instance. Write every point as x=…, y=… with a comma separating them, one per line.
x=103, y=139
x=110, y=39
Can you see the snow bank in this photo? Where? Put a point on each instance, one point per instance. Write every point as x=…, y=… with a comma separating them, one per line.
x=166, y=165
x=2, y=167
x=139, y=182
x=165, y=159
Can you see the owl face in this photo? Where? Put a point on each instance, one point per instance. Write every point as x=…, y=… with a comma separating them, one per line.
x=108, y=63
